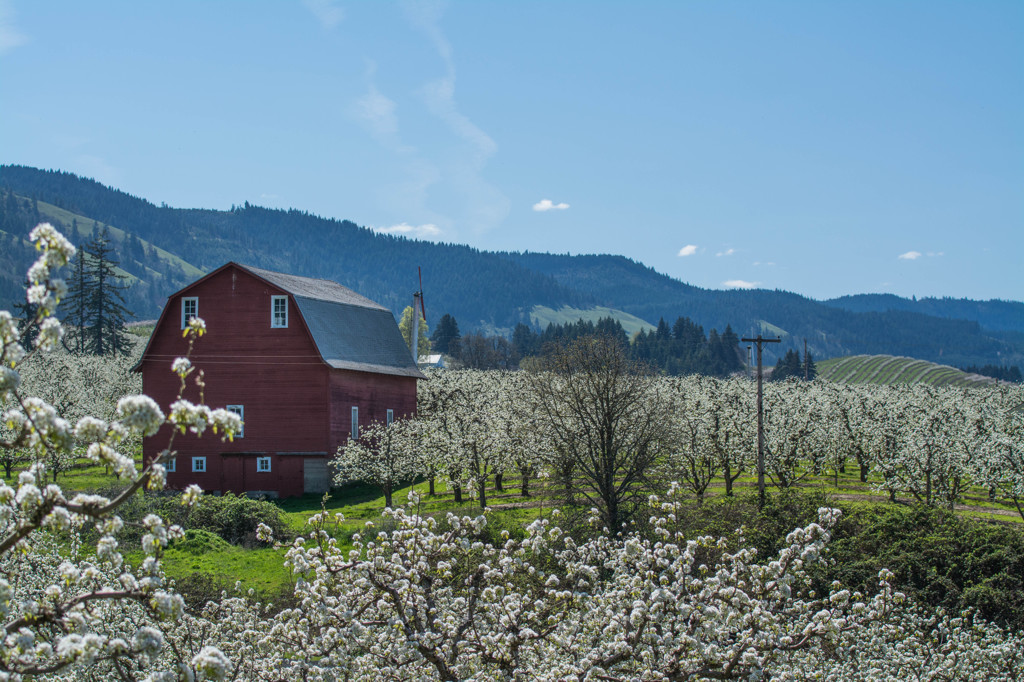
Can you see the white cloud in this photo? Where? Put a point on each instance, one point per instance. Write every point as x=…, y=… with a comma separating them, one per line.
x=426, y=231
x=932, y=254
x=910, y=255
x=687, y=250
x=377, y=113
x=758, y=263
x=548, y=205
x=727, y=252
x=740, y=284
x=10, y=38
x=485, y=205
x=326, y=12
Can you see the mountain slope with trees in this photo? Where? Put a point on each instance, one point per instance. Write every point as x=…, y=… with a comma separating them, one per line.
x=162, y=248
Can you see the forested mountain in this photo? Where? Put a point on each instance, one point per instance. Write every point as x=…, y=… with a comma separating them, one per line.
x=162, y=248
x=830, y=331
x=995, y=315
x=480, y=289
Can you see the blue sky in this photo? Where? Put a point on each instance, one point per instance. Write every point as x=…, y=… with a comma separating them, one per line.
x=825, y=148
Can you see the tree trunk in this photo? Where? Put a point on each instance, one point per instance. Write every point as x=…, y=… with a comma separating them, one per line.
x=458, y=492
x=497, y=482
x=864, y=472
x=482, y=487
x=430, y=484
x=728, y=479
x=525, y=492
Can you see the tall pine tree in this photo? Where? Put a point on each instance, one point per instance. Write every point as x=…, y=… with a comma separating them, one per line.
x=95, y=302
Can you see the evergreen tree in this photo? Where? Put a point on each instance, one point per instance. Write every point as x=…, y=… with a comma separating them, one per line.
x=810, y=371
x=524, y=342
x=445, y=333
x=95, y=302
x=75, y=303
x=106, y=300
x=788, y=366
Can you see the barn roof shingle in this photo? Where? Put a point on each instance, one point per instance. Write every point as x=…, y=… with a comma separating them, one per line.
x=350, y=331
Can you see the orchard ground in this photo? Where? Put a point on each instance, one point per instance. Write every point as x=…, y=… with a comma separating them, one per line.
x=205, y=564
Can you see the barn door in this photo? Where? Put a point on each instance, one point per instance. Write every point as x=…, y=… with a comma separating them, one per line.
x=314, y=475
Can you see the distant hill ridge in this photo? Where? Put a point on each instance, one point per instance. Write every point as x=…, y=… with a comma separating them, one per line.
x=163, y=248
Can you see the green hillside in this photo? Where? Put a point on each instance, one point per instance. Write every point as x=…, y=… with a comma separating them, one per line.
x=894, y=369
x=164, y=248
x=541, y=316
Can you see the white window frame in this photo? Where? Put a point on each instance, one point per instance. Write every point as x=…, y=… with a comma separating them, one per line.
x=391, y=417
x=171, y=465
x=185, y=316
x=275, y=323
x=263, y=465
x=240, y=411
x=355, y=423
x=199, y=465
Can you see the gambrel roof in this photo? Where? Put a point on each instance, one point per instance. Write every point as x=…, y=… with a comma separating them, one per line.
x=350, y=331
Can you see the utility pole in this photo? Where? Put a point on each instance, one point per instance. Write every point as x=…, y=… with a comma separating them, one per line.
x=760, y=417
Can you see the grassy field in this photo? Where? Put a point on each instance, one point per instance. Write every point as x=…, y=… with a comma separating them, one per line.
x=542, y=316
x=891, y=369
x=205, y=555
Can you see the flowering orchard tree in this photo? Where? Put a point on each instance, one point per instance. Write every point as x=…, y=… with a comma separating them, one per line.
x=691, y=450
x=69, y=609
x=433, y=600
x=385, y=455
x=461, y=411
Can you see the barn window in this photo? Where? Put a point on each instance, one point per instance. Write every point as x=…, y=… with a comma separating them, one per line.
x=355, y=423
x=279, y=311
x=198, y=464
x=189, y=309
x=262, y=464
x=171, y=465
x=240, y=411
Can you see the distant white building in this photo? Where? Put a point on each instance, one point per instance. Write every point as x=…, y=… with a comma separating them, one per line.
x=432, y=360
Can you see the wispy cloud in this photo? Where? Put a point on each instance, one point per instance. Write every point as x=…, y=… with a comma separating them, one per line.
x=548, y=205
x=727, y=252
x=934, y=254
x=740, y=284
x=10, y=37
x=758, y=263
x=687, y=250
x=910, y=255
x=427, y=231
x=326, y=12
x=486, y=205
x=377, y=113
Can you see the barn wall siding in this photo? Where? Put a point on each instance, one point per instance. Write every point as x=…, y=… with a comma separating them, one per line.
x=293, y=401
x=373, y=394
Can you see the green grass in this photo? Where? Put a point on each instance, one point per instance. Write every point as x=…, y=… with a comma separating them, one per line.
x=543, y=316
x=202, y=553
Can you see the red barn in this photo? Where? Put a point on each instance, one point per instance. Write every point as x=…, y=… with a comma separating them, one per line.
x=303, y=361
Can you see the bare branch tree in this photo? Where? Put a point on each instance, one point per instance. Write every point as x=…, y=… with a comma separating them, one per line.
x=601, y=411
